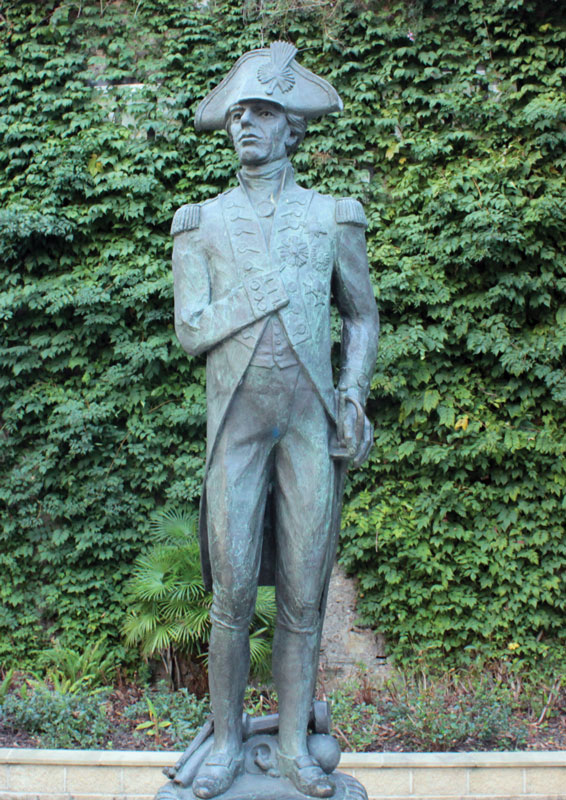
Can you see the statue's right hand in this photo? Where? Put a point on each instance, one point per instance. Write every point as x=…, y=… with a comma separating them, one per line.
x=266, y=293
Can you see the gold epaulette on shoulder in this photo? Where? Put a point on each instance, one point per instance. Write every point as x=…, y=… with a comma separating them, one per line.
x=186, y=218
x=350, y=210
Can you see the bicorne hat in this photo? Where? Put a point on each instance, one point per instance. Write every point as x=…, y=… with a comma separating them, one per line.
x=268, y=74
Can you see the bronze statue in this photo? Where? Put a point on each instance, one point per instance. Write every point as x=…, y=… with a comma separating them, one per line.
x=255, y=270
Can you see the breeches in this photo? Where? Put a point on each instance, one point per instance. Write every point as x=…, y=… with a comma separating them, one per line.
x=274, y=440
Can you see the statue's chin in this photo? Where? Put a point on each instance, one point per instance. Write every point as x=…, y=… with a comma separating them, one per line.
x=253, y=159
x=252, y=155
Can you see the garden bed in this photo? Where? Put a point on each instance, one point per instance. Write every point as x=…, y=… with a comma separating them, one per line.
x=132, y=732
x=407, y=719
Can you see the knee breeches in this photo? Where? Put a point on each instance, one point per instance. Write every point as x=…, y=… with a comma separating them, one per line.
x=274, y=442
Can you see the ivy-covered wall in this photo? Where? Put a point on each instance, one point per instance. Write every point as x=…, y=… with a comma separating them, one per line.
x=454, y=137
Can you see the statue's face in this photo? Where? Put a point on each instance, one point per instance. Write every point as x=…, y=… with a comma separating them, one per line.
x=260, y=132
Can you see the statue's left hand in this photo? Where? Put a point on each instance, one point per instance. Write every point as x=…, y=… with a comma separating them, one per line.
x=355, y=431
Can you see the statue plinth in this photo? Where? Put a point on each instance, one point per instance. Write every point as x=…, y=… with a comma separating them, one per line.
x=261, y=779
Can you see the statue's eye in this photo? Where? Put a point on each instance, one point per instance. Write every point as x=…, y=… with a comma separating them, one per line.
x=236, y=116
x=265, y=113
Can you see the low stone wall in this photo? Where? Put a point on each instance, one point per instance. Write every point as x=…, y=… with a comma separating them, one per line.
x=102, y=775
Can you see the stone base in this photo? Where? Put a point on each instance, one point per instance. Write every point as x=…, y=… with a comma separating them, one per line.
x=266, y=787
x=261, y=779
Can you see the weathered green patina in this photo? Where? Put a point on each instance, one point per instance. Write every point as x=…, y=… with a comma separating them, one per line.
x=256, y=270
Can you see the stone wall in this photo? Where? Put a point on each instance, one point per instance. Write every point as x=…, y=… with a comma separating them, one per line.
x=105, y=775
x=348, y=651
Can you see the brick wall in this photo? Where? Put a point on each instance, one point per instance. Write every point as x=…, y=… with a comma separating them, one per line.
x=102, y=775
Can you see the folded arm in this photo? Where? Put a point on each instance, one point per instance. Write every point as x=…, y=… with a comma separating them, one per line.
x=200, y=322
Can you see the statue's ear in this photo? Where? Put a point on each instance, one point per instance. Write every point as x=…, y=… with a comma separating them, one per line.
x=291, y=141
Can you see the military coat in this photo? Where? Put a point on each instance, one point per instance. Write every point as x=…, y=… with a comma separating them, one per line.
x=229, y=279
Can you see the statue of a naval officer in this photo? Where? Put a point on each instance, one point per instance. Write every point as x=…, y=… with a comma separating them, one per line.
x=255, y=270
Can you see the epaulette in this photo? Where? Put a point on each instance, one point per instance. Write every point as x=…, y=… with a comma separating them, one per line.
x=350, y=210
x=186, y=218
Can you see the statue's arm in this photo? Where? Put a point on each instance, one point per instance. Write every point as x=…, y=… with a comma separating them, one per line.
x=200, y=322
x=356, y=303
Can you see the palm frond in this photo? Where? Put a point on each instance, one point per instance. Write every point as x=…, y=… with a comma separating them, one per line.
x=189, y=592
x=190, y=637
x=169, y=607
x=266, y=607
x=260, y=652
x=174, y=526
x=138, y=627
x=158, y=641
x=198, y=619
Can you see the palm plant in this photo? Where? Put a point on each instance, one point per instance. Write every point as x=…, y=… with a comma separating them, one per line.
x=169, y=606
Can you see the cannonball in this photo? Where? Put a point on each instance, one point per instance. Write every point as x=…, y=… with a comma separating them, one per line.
x=325, y=749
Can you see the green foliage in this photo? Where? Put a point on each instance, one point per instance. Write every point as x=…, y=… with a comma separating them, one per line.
x=169, y=606
x=430, y=714
x=457, y=527
x=71, y=671
x=5, y=684
x=440, y=718
x=153, y=726
x=58, y=720
x=454, y=138
x=260, y=699
x=180, y=713
x=354, y=720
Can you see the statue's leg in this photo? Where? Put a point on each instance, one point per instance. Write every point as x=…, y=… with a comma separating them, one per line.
x=295, y=661
x=236, y=487
x=227, y=687
x=304, y=492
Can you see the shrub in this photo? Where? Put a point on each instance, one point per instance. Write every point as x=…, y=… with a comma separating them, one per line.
x=431, y=712
x=353, y=720
x=59, y=720
x=184, y=712
x=70, y=670
x=439, y=717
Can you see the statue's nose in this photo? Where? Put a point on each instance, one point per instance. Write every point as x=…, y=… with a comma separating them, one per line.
x=246, y=118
